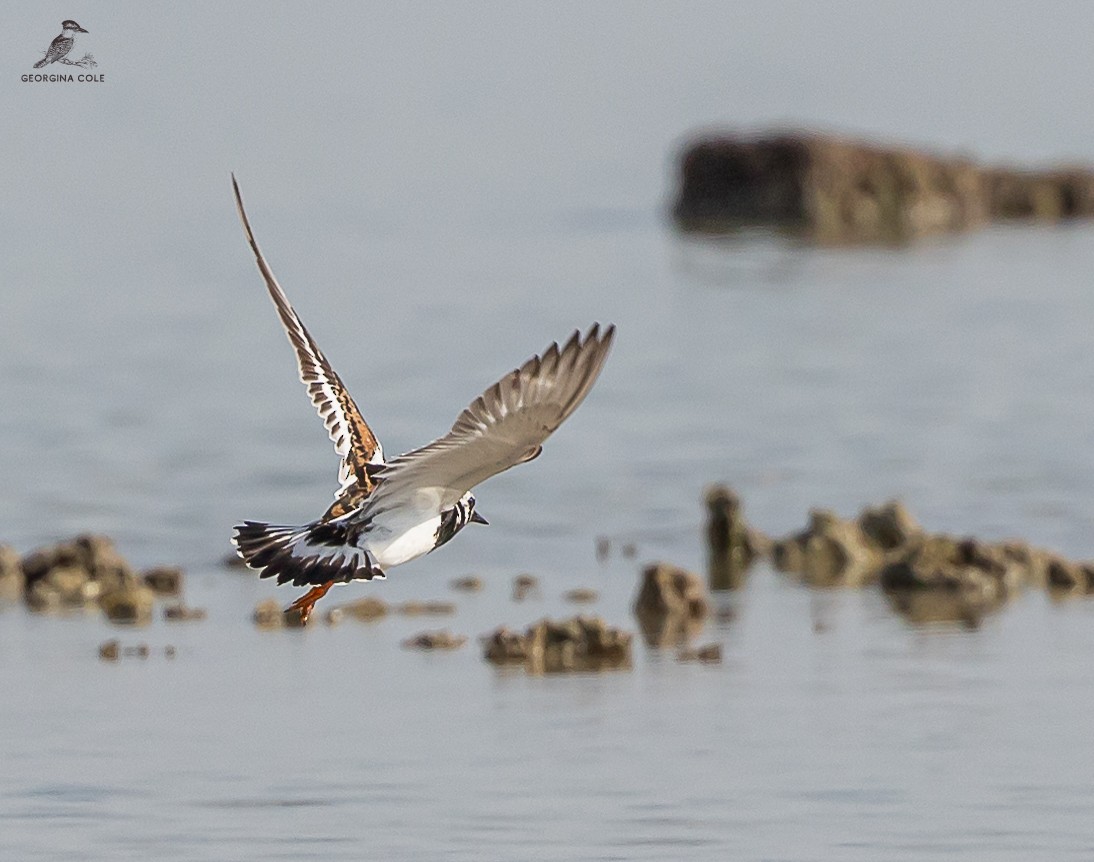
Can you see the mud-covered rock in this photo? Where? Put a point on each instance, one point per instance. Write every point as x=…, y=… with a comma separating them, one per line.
x=576, y=644
x=426, y=609
x=889, y=526
x=706, y=654
x=128, y=604
x=581, y=595
x=468, y=584
x=669, y=590
x=12, y=580
x=163, y=580
x=732, y=545
x=524, y=586
x=179, y=612
x=831, y=190
x=438, y=640
x=365, y=609
x=830, y=551
x=671, y=606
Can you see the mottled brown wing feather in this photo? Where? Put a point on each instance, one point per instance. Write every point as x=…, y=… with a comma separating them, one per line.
x=503, y=427
x=353, y=439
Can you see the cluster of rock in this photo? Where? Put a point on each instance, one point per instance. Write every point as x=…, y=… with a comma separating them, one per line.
x=112, y=650
x=269, y=615
x=833, y=190
x=83, y=573
x=928, y=577
x=671, y=606
x=577, y=644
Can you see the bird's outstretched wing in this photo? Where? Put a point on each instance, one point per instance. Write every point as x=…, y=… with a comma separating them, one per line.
x=353, y=439
x=503, y=427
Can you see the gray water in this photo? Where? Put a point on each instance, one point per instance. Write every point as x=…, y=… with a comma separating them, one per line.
x=440, y=203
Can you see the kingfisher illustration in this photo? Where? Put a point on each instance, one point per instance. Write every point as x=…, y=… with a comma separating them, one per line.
x=61, y=45
x=386, y=513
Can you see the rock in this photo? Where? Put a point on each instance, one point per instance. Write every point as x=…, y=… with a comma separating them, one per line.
x=433, y=609
x=73, y=573
x=577, y=644
x=469, y=584
x=435, y=640
x=12, y=580
x=732, y=545
x=365, y=609
x=581, y=595
x=334, y=616
x=110, y=650
x=128, y=604
x=629, y=550
x=163, y=580
x=708, y=654
x=181, y=613
x=830, y=190
x=831, y=551
x=671, y=605
x=603, y=549
x=524, y=586
x=268, y=615
x=169, y=652
x=889, y=526
x=668, y=589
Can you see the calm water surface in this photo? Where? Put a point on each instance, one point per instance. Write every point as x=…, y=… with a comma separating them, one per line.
x=462, y=185
x=833, y=730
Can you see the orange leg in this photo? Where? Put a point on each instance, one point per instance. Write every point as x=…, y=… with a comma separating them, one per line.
x=305, y=603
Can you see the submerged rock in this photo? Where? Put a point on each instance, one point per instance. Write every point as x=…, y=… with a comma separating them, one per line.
x=12, y=580
x=707, y=654
x=524, y=586
x=431, y=609
x=163, y=580
x=581, y=595
x=468, y=584
x=831, y=190
x=268, y=615
x=128, y=604
x=732, y=545
x=365, y=609
x=830, y=551
x=671, y=605
x=576, y=644
x=179, y=612
x=442, y=640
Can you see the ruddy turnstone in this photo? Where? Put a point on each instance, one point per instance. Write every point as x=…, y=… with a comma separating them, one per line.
x=389, y=512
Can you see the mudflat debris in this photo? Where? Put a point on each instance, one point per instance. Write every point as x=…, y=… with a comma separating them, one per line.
x=83, y=573
x=563, y=646
x=467, y=584
x=833, y=190
x=671, y=606
x=438, y=640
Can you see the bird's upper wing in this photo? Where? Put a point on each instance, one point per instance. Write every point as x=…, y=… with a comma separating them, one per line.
x=503, y=427
x=353, y=439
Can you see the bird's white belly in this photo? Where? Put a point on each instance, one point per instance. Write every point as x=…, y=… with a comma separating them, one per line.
x=392, y=545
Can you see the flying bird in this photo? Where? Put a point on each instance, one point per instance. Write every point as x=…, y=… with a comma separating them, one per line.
x=61, y=45
x=386, y=513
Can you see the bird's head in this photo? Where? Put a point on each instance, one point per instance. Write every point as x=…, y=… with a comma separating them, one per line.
x=474, y=517
x=72, y=25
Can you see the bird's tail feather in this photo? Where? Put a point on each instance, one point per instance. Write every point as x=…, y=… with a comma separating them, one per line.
x=40, y=63
x=314, y=553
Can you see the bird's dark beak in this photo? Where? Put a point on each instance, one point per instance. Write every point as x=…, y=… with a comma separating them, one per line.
x=476, y=518
x=81, y=29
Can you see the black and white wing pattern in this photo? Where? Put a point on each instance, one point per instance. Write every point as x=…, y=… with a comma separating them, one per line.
x=503, y=427
x=353, y=439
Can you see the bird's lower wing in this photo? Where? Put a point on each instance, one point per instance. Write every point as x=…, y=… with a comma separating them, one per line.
x=353, y=439
x=503, y=427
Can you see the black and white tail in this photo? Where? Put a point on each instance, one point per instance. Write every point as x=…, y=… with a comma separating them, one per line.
x=314, y=553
